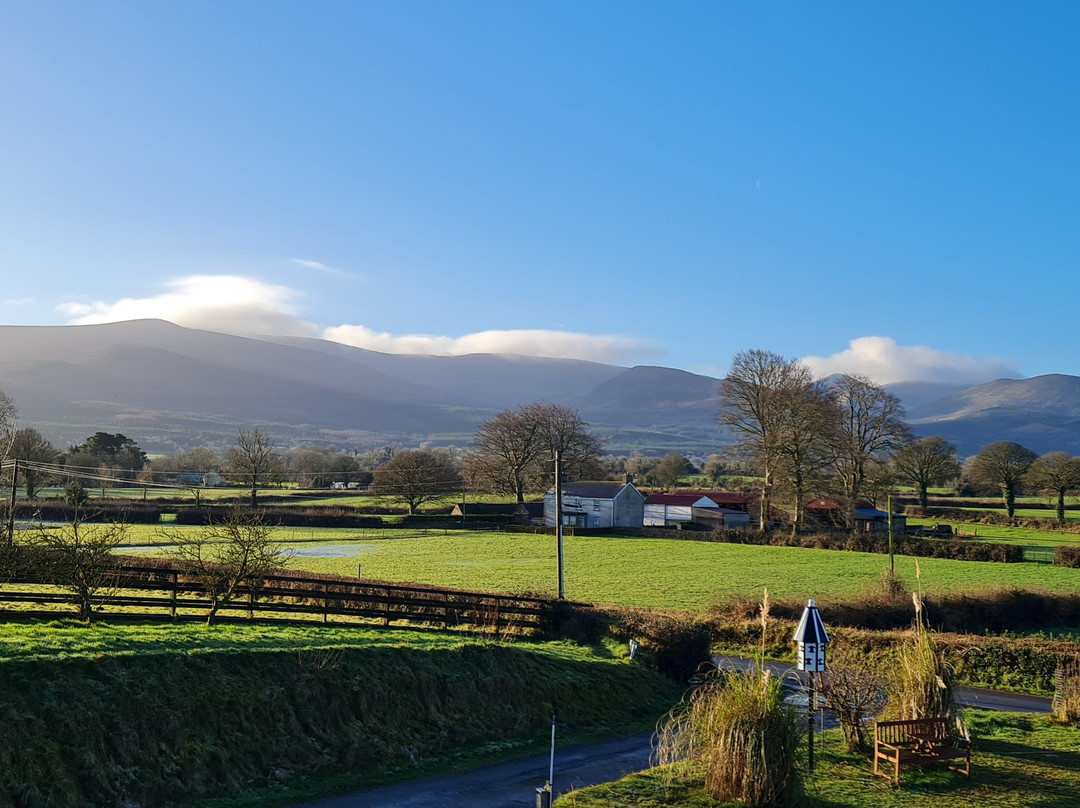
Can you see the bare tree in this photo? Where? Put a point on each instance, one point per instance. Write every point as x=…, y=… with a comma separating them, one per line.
x=77, y=557
x=417, y=476
x=515, y=448
x=754, y=402
x=667, y=472
x=871, y=430
x=8, y=413
x=808, y=428
x=225, y=556
x=1055, y=474
x=1003, y=465
x=252, y=458
x=926, y=462
x=29, y=446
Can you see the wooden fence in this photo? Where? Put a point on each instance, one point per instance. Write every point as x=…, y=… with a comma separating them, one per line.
x=171, y=594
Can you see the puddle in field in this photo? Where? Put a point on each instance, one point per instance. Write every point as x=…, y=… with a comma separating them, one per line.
x=323, y=551
x=331, y=550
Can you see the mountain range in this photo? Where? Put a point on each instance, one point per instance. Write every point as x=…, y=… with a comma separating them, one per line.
x=172, y=388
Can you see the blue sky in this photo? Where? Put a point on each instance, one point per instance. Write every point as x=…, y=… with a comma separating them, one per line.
x=886, y=188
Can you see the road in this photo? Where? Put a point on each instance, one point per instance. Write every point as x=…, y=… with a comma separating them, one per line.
x=514, y=783
x=509, y=784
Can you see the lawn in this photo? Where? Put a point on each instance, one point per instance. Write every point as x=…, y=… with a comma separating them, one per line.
x=640, y=572
x=1019, y=761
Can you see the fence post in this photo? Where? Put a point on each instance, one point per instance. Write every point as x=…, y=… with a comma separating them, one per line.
x=386, y=608
x=172, y=597
x=326, y=603
x=251, y=604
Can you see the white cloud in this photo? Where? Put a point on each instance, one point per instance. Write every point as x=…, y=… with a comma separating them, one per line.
x=885, y=362
x=238, y=305
x=317, y=266
x=229, y=303
x=561, y=344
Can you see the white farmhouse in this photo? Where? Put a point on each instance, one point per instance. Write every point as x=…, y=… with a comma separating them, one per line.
x=596, y=504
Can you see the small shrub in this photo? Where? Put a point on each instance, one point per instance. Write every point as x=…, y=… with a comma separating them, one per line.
x=680, y=644
x=572, y=621
x=1066, y=555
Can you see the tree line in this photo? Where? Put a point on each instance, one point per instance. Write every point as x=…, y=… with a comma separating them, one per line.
x=844, y=438
x=796, y=438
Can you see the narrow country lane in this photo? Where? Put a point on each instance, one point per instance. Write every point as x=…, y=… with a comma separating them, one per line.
x=510, y=784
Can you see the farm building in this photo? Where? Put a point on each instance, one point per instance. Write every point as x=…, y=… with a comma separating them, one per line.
x=716, y=517
x=734, y=500
x=868, y=519
x=662, y=510
x=597, y=504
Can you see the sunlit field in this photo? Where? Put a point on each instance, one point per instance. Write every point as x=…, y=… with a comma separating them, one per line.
x=639, y=572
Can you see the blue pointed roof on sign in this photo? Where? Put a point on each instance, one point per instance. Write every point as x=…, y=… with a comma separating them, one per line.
x=811, y=627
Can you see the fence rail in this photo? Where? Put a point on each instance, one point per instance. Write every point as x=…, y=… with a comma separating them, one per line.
x=176, y=595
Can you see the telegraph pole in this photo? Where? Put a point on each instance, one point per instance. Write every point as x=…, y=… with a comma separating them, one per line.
x=558, y=519
x=892, y=564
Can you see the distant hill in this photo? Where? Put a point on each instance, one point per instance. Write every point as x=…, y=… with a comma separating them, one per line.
x=170, y=387
x=1041, y=413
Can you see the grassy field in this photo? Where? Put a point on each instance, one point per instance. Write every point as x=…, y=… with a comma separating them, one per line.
x=643, y=572
x=1019, y=761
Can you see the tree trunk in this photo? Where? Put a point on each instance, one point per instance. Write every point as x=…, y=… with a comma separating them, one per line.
x=254, y=497
x=924, y=498
x=1010, y=499
x=1061, y=506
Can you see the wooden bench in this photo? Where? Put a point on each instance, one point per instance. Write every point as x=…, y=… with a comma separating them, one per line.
x=918, y=742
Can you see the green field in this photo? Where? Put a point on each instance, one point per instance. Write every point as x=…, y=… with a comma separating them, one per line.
x=660, y=573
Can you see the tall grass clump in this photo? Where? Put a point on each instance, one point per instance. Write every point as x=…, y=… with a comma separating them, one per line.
x=1067, y=692
x=740, y=733
x=743, y=737
x=923, y=685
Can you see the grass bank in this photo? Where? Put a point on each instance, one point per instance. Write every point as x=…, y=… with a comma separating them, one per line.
x=154, y=717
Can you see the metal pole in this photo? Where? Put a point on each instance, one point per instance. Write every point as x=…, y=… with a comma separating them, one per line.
x=551, y=765
x=558, y=520
x=810, y=721
x=892, y=566
x=11, y=503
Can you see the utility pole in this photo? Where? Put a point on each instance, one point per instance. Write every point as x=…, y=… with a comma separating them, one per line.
x=558, y=519
x=892, y=567
x=11, y=503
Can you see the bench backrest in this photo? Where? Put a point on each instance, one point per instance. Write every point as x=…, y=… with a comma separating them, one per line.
x=900, y=732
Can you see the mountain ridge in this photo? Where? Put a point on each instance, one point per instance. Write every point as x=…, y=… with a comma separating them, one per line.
x=171, y=387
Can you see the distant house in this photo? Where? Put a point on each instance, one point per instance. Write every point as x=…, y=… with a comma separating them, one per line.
x=209, y=480
x=662, y=510
x=596, y=504
x=868, y=519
